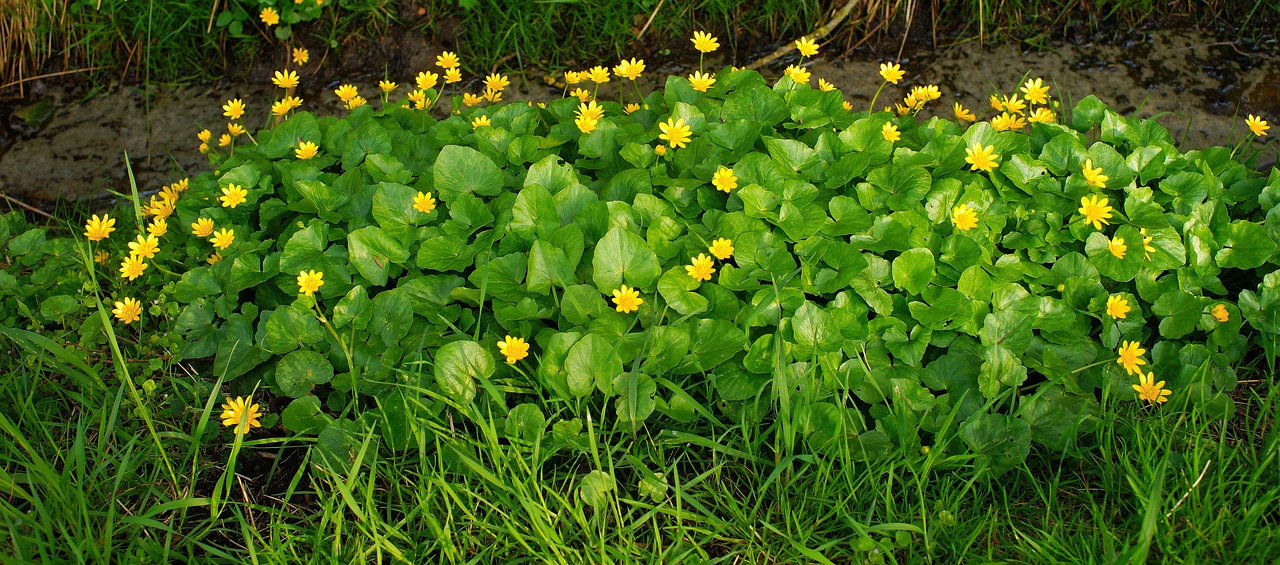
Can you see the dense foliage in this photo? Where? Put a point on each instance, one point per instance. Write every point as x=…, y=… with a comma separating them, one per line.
x=854, y=315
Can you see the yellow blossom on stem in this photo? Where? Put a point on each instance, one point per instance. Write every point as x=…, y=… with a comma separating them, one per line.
x=285, y=79
x=98, y=229
x=223, y=238
x=995, y=103
x=629, y=69
x=424, y=202
x=806, y=47
x=224, y=140
x=660, y=150
x=1149, y=390
x=675, y=132
x=890, y=132
x=1008, y=122
x=590, y=110
x=722, y=248
x=847, y=106
x=700, y=268
x=704, y=42
x=891, y=72
x=632, y=107
x=346, y=92
x=158, y=227
x=1117, y=306
x=573, y=77
x=214, y=259
x=493, y=96
x=301, y=55
x=1095, y=211
x=598, y=74
x=1094, y=176
x=724, y=179
x=585, y=124
x=981, y=158
x=964, y=217
x=426, y=80
x=1130, y=357
x=481, y=121
x=1147, y=249
x=132, y=267
x=825, y=86
x=798, y=74
x=356, y=102
x=1042, y=115
x=1036, y=91
x=1117, y=247
x=241, y=415
x=1257, y=126
x=233, y=195
x=387, y=86
x=202, y=227
x=627, y=299
x=309, y=282
x=496, y=82
x=269, y=16
x=1219, y=312
x=233, y=109
x=701, y=81
x=236, y=130
x=513, y=348
x=471, y=99
x=204, y=136
x=101, y=257
x=581, y=94
x=306, y=150
x=447, y=60
x=962, y=114
x=1013, y=104
x=128, y=310
x=144, y=247
x=452, y=76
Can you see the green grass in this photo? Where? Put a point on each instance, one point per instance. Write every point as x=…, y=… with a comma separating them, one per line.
x=83, y=480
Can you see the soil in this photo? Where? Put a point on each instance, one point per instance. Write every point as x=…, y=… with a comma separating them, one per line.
x=59, y=145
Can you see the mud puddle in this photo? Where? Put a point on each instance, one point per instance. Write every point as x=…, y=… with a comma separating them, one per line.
x=1198, y=85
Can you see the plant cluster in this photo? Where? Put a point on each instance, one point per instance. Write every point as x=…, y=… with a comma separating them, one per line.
x=724, y=248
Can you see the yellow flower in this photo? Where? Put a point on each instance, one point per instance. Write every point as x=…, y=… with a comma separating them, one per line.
x=202, y=227
x=1042, y=116
x=144, y=247
x=598, y=74
x=964, y=217
x=493, y=96
x=233, y=109
x=98, y=229
x=447, y=60
x=995, y=103
x=387, y=86
x=309, y=282
x=236, y=130
x=1094, y=176
x=1149, y=390
x=891, y=72
x=233, y=195
x=675, y=132
x=1130, y=357
x=724, y=179
x=223, y=238
x=1117, y=247
x=269, y=16
x=242, y=414
x=660, y=150
x=926, y=93
x=470, y=99
x=514, y=349
x=585, y=124
x=1219, y=312
x=101, y=257
x=301, y=55
x=632, y=107
x=306, y=150
x=132, y=267
x=1036, y=91
x=214, y=259
x=1147, y=249
x=629, y=69
x=627, y=299
x=981, y=158
x=452, y=75
x=204, y=136
x=722, y=248
x=419, y=99
x=424, y=203
x=825, y=86
x=1257, y=125
x=280, y=108
x=700, y=268
x=158, y=227
x=481, y=121
x=356, y=102
x=890, y=132
x=590, y=110
x=806, y=47
x=1013, y=104
x=798, y=74
x=573, y=77
x=581, y=93
x=496, y=82
x=128, y=311
x=346, y=92
x=701, y=81
x=286, y=79
x=704, y=42
x=182, y=185
x=962, y=114
x=1008, y=122
x=847, y=106
x=224, y=140
x=161, y=207
x=1095, y=211
x=1117, y=306
x=426, y=80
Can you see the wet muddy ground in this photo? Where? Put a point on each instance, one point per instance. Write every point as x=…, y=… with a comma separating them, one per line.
x=54, y=145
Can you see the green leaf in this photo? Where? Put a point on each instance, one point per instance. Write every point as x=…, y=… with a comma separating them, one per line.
x=534, y=214
x=303, y=415
x=463, y=170
x=290, y=327
x=675, y=287
x=373, y=251
x=298, y=372
x=899, y=186
x=1000, y=442
x=635, y=398
x=815, y=330
x=592, y=364
x=1249, y=246
x=913, y=270
x=756, y=104
x=354, y=307
x=525, y=422
x=548, y=267
x=457, y=366
x=369, y=138
x=623, y=256
x=595, y=488
x=58, y=306
x=1179, y=312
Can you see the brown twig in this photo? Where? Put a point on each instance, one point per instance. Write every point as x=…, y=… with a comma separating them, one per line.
x=47, y=75
x=1188, y=493
x=26, y=206
x=820, y=33
x=652, y=15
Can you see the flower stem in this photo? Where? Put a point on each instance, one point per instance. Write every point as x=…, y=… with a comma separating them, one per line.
x=873, y=98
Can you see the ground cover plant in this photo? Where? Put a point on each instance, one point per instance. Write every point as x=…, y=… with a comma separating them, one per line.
x=476, y=330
